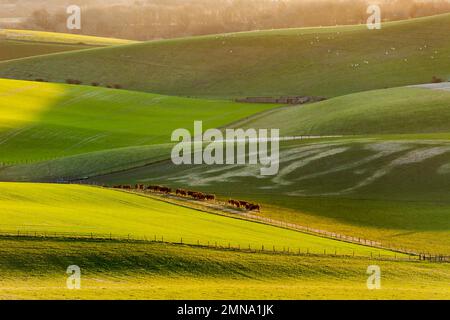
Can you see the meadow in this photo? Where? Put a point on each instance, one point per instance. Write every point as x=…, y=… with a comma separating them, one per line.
x=268, y=63
x=66, y=38
x=42, y=121
x=53, y=208
x=17, y=44
x=395, y=191
x=394, y=111
x=384, y=177
x=123, y=270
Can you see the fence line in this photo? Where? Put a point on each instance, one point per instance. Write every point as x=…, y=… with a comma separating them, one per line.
x=283, y=250
x=221, y=206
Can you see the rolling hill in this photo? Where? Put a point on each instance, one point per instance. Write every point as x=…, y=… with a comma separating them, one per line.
x=316, y=61
x=55, y=37
x=53, y=208
x=16, y=44
x=130, y=270
x=41, y=121
x=404, y=110
x=385, y=178
x=394, y=191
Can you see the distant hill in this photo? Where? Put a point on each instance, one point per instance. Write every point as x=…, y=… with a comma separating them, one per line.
x=315, y=61
x=15, y=44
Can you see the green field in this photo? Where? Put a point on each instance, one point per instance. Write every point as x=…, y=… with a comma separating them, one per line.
x=404, y=110
x=317, y=61
x=41, y=121
x=56, y=208
x=394, y=191
x=16, y=44
x=13, y=49
x=388, y=183
x=120, y=270
x=54, y=37
x=384, y=176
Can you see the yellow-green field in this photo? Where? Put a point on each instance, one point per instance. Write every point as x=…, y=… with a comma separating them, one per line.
x=328, y=62
x=54, y=37
x=17, y=44
x=36, y=269
x=40, y=121
x=81, y=210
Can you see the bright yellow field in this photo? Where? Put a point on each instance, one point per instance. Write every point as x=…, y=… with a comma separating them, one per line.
x=67, y=38
x=81, y=210
x=122, y=270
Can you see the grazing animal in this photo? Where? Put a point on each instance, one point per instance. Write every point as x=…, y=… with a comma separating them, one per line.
x=244, y=204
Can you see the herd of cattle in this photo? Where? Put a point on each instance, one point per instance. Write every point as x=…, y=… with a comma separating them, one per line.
x=244, y=205
x=191, y=194
x=195, y=195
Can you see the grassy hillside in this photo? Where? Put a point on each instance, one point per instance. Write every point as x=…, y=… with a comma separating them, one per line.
x=84, y=210
x=396, y=191
x=54, y=37
x=12, y=49
x=317, y=61
x=40, y=121
x=402, y=110
x=120, y=270
x=16, y=44
x=421, y=114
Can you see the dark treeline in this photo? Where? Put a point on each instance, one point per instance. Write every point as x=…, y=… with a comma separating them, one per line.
x=155, y=19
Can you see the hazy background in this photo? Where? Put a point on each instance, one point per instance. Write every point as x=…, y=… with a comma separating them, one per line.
x=155, y=19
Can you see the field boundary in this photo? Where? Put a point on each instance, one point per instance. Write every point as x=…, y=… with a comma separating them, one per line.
x=98, y=237
x=223, y=210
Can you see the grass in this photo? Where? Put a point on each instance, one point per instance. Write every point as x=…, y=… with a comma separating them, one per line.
x=316, y=61
x=42, y=121
x=120, y=270
x=13, y=49
x=83, y=210
x=55, y=37
x=402, y=110
x=17, y=44
x=395, y=191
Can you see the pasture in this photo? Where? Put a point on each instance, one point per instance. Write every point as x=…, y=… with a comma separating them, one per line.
x=122, y=270
x=62, y=38
x=394, y=111
x=385, y=177
x=394, y=191
x=17, y=44
x=43, y=121
x=13, y=49
x=81, y=210
x=327, y=62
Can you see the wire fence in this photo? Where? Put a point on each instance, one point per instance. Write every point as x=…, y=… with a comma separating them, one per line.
x=223, y=207
x=217, y=205
x=218, y=245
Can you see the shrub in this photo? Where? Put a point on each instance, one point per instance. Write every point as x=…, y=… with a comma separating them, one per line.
x=95, y=84
x=436, y=80
x=73, y=81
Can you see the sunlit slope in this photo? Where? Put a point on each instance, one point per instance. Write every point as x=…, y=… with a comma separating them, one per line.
x=121, y=270
x=418, y=113
x=15, y=44
x=12, y=49
x=83, y=210
x=40, y=121
x=396, y=191
x=404, y=110
x=55, y=37
x=318, y=61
